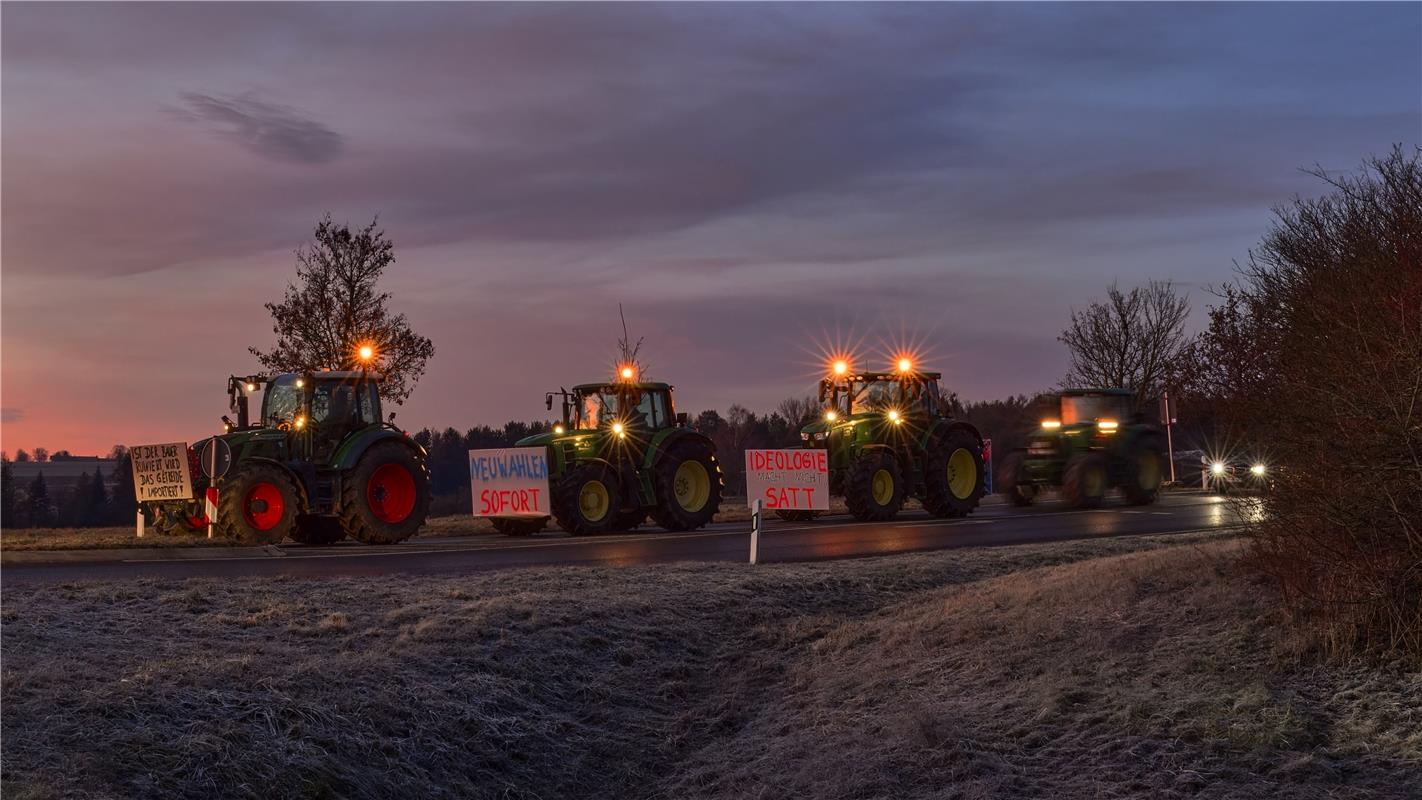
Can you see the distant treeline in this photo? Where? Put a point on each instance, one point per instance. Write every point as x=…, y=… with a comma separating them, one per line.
x=86, y=502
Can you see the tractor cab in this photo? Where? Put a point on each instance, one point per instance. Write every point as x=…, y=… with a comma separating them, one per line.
x=318, y=410
x=1091, y=410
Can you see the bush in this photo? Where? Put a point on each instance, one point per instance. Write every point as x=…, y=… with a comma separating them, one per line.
x=1330, y=306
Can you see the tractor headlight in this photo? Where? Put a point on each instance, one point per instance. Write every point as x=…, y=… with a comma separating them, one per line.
x=558, y=429
x=1258, y=470
x=894, y=417
x=1217, y=468
x=804, y=437
x=821, y=436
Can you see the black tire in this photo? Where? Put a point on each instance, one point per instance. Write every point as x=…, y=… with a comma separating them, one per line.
x=315, y=530
x=1011, y=480
x=519, y=526
x=258, y=504
x=691, y=466
x=797, y=516
x=386, y=498
x=1085, y=480
x=1144, y=473
x=859, y=487
x=958, y=451
x=573, y=514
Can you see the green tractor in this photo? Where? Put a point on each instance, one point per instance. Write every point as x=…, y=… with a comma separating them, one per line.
x=1094, y=443
x=890, y=438
x=319, y=464
x=622, y=453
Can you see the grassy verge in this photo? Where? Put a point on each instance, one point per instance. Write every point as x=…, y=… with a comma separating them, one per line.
x=1122, y=667
x=733, y=510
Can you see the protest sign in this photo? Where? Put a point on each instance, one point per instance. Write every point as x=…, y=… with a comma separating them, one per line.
x=788, y=480
x=509, y=482
x=160, y=472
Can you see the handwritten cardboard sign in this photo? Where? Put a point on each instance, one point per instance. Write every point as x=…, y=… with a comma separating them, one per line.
x=160, y=472
x=788, y=480
x=509, y=482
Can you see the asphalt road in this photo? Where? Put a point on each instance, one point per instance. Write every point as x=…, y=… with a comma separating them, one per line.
x=832, y=537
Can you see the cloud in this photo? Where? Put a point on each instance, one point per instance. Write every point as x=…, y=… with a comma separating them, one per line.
x=11, y=415
x=271, y=131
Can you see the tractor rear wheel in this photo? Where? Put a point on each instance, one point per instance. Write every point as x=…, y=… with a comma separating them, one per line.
x=258, y=505
x=312, y=529
x=1144, y=473
x=874, y=487
x=688, y=485
x=519, y=526
x=585, y=501
x=1085, y=480
x=386, y=498
x=1012, y=480
x=953, y=481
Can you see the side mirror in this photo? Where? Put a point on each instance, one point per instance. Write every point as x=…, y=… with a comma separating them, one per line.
x=548, y=400
x=391, y=420
x=824, y=385
x=682, y=418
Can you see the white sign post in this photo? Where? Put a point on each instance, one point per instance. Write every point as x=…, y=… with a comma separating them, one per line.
x=509, y=482
x=757, y=507
x=788, y=480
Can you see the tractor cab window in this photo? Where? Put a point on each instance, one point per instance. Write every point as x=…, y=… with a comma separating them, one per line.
x=334, y=405
x=874, y=396
x=1092, y=407
x=281, y=402
x=596, y=409
x=650, y=409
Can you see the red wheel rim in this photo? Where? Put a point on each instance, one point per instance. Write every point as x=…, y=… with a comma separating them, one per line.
x=391, y=493
x=264, y=506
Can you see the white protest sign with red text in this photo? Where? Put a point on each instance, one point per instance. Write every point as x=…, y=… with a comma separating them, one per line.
x=788, y=480
x=509, y=482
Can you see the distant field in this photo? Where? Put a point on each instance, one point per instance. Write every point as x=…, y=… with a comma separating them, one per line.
x=1125, y=667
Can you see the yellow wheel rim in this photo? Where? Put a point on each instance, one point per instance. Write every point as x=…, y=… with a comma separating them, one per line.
x=691, y=485
x=1149, y=472
x=962, y=473
x=594, y=501
x=882, y=487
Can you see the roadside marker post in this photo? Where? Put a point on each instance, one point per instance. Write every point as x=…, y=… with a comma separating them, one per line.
x=140, y=522
x=756, y=509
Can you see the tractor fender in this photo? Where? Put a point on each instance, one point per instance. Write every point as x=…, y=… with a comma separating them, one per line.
x=959, y=425
x=663, y=441
x=350, y=452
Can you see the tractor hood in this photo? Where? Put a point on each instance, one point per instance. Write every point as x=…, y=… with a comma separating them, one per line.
x=551, y=438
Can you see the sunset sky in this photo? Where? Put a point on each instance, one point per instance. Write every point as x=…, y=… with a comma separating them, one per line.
x=752, y=182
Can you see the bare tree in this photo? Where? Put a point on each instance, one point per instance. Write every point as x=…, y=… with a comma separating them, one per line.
x=334, y=308
x=1133, y=340
x=798, y=410
x=627, y=349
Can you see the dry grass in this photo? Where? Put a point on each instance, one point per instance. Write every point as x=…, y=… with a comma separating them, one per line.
x=13, y=539
x=1121, y=667
x=732, y=510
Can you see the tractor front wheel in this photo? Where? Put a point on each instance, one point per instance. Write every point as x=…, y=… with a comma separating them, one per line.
x=1144, y=473
x=386, y=498
x=519, y=526
x=954, y=480
x=1012, y=480
x=688, y=483
x=258, y=505
x=1084, y=481
x=874, y=487
x=585, y=501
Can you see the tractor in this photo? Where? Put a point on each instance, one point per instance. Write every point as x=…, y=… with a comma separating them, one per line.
x=889, y=438
x=319, y=464
x=1095, y=442
x=620, y=454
